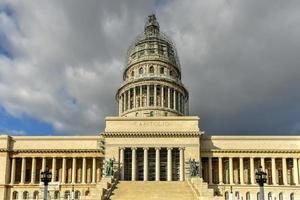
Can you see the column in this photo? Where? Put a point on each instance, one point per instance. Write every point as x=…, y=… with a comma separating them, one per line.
x=210, y=170
x=13, y=171
x=148, y=95
x=299, y=170
x=262, y=163
x=174, y=100
x=33, y=170
x=230, y=171
x=122, y=163
x=252, y=177
x=44, y=164
x=120, y=104
x=284, y=171
x=181, y=164
x=94, y=171
x=169, y=98
x=162, y=95
x=241, y=171
x=200, y=168
x=145, y=164
x=73, y=170
x=123, y=102
x=273, y=172
x=53, y=169
x=141, y=92
x=83, y=180
x=220, y=170
x=134, y=97
x=133, y=163
x=155, y=95
x=295, y=171
x=129, y=99
x=23, y=170
x=157, y=164
x=63, y=173
x=169, y=163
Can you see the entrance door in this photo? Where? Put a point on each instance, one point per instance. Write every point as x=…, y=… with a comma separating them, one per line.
x=127, y=164
x=140, y=164
x=175, y=165
x=151, y=164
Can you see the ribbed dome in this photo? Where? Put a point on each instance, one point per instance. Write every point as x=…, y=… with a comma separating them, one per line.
x=152, y=45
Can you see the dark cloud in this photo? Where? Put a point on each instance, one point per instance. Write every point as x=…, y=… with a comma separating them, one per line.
x=239, y=61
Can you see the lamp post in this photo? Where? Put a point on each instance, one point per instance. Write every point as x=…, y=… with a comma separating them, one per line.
x=46, y=178
x=261, y=178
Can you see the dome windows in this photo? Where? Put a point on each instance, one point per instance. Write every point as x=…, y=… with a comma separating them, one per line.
x=162, y=70
x=132, y=74
x=151, y=70
x=141, y=70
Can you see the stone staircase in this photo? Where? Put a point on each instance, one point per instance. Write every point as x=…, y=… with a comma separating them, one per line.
x=152, y=190
x=201, y=190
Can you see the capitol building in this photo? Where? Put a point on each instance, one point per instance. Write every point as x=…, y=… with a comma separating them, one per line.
x=152, y=143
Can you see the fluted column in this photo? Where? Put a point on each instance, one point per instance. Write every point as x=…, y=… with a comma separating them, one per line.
x=210, y=170
x=73, y=170
x=141, y=94
x=252, y=177
x=148, y=95
x=169, y=98
x=241, y=171
x=162, y=96
x=83, y=180
x=295, y=171
x=44, y=163
x=174, y=100
x=53, y=169
x=23, y=170
x=181, y=164
x=230, y=171
x=200, y=168
x=133, y=162
x=13, y=171
x=145, y=164
x=157, y=164
x=155, y=94
x=169, y=163
x=120, y=104
x=273, y=171
x=284, y=171
x=94, y=171
x=134, y=97
x=122, y=163
x=63, y=173
x=220, y=170
x=123, y=102
x=129, y=98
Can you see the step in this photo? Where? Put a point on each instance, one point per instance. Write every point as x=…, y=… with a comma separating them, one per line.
x=152, y=190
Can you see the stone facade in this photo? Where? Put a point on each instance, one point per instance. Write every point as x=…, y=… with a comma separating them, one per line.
x=151, y=142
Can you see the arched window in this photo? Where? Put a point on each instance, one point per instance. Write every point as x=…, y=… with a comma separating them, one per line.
x=226, y=196
x=171, y=73
x=56, y=195
x=67, y=194
x=270, y=196
x=248, y=196
x=36, y=195
x=151, y=70
x=132, y=74
x=87, y=193
x=15, y=195
x=292, y=196
x=77, y=194
x=25, y=195
x=280, y=196
x=257, y=196
x=162, y=70
x=141, y=70
x=151, y=113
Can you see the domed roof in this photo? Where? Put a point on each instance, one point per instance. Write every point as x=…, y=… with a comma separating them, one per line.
x=152, y=45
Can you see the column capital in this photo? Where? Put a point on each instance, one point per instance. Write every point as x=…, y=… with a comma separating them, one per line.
x=146, y=148
x=157, y=148
x=169, y=148
x=133, y=148
x=181, y=148
x=122, y=148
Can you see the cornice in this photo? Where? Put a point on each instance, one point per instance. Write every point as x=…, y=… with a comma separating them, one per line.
x=250, y=151
x=150, y=134
x=52, y=150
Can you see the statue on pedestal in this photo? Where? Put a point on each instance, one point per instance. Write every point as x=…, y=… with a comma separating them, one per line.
x=193, y=168
x=109, y=167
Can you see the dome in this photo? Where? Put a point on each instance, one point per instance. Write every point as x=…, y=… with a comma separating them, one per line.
x=152, y=45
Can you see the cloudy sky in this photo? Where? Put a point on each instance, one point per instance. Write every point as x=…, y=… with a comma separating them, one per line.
x=61, y=62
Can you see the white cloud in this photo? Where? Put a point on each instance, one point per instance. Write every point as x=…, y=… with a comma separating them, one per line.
x=239, y=60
